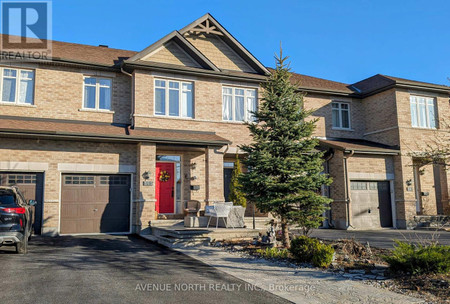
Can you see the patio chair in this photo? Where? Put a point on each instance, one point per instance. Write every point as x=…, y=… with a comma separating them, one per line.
x=219, y=210
x=191, y=208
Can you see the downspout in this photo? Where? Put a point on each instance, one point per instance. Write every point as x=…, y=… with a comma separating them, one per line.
x=346, y=188
x=132, y=95
x=327, y=159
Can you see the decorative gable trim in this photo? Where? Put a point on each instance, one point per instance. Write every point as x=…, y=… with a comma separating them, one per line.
x=181, y=42
x=207, y=24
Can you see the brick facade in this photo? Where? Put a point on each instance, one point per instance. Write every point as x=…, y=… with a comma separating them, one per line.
x=379, y=116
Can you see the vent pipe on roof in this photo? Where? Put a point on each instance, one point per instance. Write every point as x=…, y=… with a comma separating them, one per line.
x=103, y=45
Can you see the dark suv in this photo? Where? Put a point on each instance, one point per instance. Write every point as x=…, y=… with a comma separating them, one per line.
x=16, y=219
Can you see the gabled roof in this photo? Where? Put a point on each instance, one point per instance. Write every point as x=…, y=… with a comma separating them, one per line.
x=212, y=26
x=181, y=42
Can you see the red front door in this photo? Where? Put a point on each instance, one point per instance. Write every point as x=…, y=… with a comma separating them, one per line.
x=165, y=187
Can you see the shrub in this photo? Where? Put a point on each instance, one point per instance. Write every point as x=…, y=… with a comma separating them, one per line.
x=273, y=253
x=419, y=259
x=236, y=195
x=309, y=250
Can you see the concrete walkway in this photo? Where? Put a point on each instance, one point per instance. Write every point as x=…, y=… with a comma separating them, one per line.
x=299, y=285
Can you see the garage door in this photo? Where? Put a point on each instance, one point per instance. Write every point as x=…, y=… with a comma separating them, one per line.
x=31, y=185
x=371, y=204
x=95, y=203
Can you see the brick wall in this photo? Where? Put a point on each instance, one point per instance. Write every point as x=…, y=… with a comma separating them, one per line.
x=145, y=194
x=207, y=104
x=59, y=94
x=68, y=152
x=324, y=127
x=380, y=115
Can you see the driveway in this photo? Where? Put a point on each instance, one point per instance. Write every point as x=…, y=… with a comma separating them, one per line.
x=383, y=238
x=115, y=269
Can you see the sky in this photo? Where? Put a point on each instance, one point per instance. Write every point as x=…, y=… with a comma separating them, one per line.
x=343, y=40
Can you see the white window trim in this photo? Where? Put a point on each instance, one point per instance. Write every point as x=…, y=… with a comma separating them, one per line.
x=18, y=84
x=97, y=95
x=233, y=102
x=418, y=118
x=167, y=89
x=340, y=116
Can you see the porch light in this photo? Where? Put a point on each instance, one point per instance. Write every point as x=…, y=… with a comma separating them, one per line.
x=146, y=175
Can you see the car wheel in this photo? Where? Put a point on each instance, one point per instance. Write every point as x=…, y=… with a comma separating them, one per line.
x=22, y=247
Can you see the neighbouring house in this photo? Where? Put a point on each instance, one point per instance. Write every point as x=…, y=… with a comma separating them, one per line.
x=106, y=139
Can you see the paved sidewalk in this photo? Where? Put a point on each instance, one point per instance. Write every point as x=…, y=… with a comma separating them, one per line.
x=299, y=285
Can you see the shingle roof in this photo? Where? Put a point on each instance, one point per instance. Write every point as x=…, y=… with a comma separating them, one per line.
x=379, y=82
x=358, y=145
x=98, y=55
x=88, y=53
x=308, y=82
x=12, y=125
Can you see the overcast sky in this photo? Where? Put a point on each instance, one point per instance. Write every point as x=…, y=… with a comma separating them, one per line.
x=339, y=40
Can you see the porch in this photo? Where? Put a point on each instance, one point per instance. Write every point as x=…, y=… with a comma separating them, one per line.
x=173, y=233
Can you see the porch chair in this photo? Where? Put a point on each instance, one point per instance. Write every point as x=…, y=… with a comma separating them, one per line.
x=219, y=210
x=191, y=208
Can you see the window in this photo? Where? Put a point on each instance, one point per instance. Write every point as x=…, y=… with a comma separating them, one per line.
x=21, y=179
x=238, y=104
x=358, y=185
x=228, y=165
x=174, y=98
x=114, y=180
x=78, y=180
x=423, y=112
x=97, y=93
x=17, y=86
x=341, y=115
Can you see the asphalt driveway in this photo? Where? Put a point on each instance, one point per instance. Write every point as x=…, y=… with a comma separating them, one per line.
x=115, y=269
x=383, y=238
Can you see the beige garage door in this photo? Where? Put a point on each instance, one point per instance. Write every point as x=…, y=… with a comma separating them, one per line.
x=95, y=203
x=371, y=204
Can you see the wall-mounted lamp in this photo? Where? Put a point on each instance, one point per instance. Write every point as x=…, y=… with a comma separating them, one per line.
x=408, y=182
x=146, y=175
x=193, y=166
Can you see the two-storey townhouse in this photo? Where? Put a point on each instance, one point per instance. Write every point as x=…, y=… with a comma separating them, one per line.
x=374, y=132
x=106, y=140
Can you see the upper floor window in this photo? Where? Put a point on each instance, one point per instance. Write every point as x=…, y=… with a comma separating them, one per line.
x=97, y=93
x=341, y=115
x=423, y=112
x=238, y=104
x=174, y=98
x=17, y=86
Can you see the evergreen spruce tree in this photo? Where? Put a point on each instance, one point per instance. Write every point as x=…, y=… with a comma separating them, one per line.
x=285, y=170
x=236, y=194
